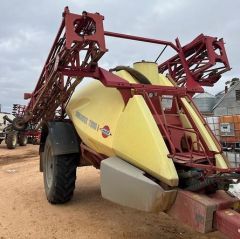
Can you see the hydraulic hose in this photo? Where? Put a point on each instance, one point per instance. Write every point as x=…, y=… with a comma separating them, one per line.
x=142, y=79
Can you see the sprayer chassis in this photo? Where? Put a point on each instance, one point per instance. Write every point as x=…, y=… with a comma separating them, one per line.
x=179, y=144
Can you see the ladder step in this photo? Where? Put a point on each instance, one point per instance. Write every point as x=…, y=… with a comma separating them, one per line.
x=184, y=158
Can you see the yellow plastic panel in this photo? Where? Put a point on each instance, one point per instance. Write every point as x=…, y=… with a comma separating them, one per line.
x=220, y=162
x=138, y=140
x=216, y=142
x=92, y=108
x=148, y=69
x=125, y=75
x=164, y=81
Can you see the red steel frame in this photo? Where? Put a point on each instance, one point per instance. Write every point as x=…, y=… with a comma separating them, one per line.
x=78, y=46
x=19, y=111
x=197, y=60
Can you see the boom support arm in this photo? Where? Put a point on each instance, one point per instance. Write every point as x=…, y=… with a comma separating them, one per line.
x=80, y=43
x=64, y=67
x=202, y=61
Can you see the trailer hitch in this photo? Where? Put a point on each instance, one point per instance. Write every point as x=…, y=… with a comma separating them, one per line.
x=211, y=183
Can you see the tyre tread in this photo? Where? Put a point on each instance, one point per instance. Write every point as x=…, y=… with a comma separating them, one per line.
x=65, y=179
x=9, y=140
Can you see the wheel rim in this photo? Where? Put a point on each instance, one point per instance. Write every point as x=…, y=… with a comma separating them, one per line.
x=49, y=167
x=14, y=141
x=25, y=140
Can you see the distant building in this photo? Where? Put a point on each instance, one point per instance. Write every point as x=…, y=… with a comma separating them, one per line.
x=205, y=103
x=219, y=95
x=229, y=103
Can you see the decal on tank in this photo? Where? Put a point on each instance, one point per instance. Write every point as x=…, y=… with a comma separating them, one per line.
x=85, y=120
x=105, y=131
x=81, y=117
x=93, y=125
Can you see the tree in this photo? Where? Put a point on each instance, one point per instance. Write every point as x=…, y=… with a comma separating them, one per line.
x=232, y=82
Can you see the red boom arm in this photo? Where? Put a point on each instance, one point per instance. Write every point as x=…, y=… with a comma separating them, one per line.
x=80, y=43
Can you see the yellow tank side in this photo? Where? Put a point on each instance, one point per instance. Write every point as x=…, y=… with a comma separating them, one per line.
x=105, y=106
x=204, y=131
x=93, y=107
x=126, y=76
x=139, y=141
x=208, y=138
x=164, y=81
x=152, y=158
x=132, y=131
x=148, y=69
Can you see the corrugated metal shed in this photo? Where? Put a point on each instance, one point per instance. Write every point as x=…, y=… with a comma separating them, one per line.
x=228, y=104
x=205, y=102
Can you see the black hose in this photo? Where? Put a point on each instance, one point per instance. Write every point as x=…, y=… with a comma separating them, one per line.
x=189, y=174
x=142, y=79
x=199, y=185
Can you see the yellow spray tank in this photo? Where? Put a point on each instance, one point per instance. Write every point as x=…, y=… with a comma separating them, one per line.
x=139, y=127
x=129, y=132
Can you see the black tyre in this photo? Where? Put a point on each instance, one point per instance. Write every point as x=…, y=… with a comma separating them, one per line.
x=35, y=141
x=11, y=140
x=22, y=140
x=30, y=140
x=59, y=173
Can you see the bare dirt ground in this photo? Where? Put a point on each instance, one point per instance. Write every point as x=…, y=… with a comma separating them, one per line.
x=25, y=212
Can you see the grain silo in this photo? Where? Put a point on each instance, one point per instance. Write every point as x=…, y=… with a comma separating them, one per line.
x=205, y=102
